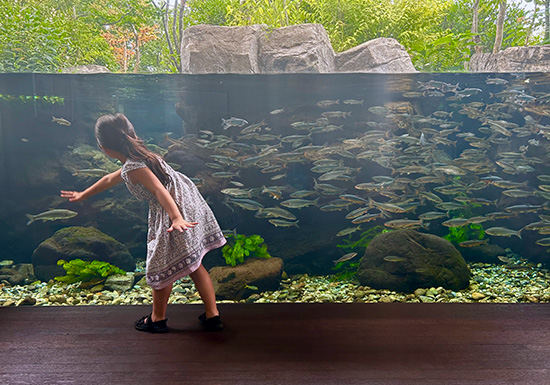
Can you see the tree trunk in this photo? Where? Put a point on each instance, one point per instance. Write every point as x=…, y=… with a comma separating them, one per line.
x=125, y=63
x=500, y=26
x=175, y=40
x=475, y=28
x=546, y=21
x=286, y=12
x=138, y=58
x=532, y=24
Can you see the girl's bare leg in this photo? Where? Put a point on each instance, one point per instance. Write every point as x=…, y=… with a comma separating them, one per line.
x=160, y=302
x=204, y=285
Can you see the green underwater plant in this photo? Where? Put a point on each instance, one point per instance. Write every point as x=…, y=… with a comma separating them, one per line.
x=361, y=244
x=34, y=98
x=78, y=270
x=464, y=233
x=244, y=246
x=346, y=270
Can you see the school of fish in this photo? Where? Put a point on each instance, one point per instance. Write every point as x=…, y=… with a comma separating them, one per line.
x=440, y=166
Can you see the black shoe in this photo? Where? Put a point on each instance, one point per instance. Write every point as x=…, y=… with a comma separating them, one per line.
x=211, y=324
x=150, y=326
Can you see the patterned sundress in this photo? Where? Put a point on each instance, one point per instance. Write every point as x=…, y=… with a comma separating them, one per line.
x=171, y=256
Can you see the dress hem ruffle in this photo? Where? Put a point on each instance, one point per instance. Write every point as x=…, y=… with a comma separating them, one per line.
x=159, y=285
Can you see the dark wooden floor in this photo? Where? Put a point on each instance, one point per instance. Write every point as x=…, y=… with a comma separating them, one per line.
x=280, y=344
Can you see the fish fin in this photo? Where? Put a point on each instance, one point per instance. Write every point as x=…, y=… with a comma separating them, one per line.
x=296, y=223
x=316, y=201
x=31, y=219
x=229, y=207
x=424, y=225
x=385, y=214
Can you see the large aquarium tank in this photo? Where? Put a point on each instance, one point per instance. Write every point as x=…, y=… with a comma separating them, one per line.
x=370, y=187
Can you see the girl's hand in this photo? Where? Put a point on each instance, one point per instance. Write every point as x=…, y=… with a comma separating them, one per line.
x=74, y=196
x=181, y=224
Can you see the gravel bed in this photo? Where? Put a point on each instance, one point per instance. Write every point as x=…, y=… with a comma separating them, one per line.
x=497, y=283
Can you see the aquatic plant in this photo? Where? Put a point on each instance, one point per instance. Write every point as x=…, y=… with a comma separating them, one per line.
x=464, y=233
x=360, y=244
x=33, y=98
x=78, y=270
x=242, y=246
x=345, y=271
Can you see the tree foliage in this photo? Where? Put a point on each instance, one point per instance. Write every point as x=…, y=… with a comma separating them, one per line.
x=47, y=35
x=134, y=35
x=127, y=25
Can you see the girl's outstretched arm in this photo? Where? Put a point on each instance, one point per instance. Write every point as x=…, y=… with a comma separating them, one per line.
x=103, y=184
x=149, y=180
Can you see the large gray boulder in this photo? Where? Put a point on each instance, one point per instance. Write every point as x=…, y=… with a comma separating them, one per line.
x=86, y=69
x=377, y=55
x=217, y=49
x=297, y=48
x=513, y=59
x=293, y=49
x=413, y=260
x=75, y=242
x=230, y=281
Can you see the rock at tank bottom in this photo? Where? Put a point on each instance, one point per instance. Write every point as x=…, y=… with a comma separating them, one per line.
x=405, y=260
x=86, y=243
x=230, y=281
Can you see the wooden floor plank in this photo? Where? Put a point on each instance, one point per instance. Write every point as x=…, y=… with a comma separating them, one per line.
x=289, y=343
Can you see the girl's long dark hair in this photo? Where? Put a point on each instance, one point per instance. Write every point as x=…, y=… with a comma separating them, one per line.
x=115, y=132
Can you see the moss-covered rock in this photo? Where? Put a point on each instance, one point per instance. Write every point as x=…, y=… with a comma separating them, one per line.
x=86, y=243
x=413, y=260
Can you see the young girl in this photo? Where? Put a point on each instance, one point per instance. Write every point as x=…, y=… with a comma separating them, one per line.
x=182, y=228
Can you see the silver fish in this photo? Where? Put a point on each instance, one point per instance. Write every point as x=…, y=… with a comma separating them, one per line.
x=247, y=204
x=503, y=232
x=282, y=223
x=51, y=215
x=61, y=121
x=96, y=172
x=347, y=231
x=394, y=258
x=299, y=203
x=345, y=257
x=233, y=122
x=327, y=103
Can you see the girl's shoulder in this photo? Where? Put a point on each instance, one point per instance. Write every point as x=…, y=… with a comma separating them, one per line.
x=133, y=164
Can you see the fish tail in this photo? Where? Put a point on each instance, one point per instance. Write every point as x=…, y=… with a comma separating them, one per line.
x=316, y=202
x=31, y=219
x=518, y=233
x=296, y=223
x=371, y=202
